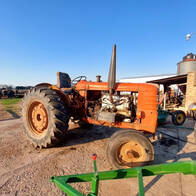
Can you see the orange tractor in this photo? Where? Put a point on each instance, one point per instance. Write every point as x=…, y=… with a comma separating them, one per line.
x=132, y=107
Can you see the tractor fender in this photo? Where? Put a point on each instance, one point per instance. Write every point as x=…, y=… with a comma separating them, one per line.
x=64, y=96
x=43, y=85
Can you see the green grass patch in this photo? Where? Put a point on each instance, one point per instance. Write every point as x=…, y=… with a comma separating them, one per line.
x=12, y=106
x=10, y=101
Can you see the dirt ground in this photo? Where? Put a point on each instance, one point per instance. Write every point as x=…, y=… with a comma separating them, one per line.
x=26, y=171
x=13, y=112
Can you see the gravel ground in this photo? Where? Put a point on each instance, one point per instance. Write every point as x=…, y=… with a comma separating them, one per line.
x=26, y=171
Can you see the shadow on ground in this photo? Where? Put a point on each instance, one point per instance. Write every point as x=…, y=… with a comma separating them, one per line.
x=14, y=114
x=168, y=147
x=85, y=135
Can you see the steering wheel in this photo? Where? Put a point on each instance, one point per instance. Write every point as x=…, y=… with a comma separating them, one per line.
x=78, y=79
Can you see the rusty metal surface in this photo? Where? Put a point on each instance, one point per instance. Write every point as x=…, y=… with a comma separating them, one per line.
x=146, y=106
x=112, y=72
x=131, y=151
x=38, y=117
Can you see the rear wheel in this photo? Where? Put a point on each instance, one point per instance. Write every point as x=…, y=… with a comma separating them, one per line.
x=129, y=148
x=45, y=117
x=178, y=117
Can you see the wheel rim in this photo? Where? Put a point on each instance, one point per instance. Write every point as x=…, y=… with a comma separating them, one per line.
x=180, y=118
x=131, y=152
x=38, y=118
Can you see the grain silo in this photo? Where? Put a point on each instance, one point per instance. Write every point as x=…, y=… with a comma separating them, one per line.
x=188, y=64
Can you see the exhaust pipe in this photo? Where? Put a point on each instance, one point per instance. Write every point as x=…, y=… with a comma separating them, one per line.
x=112, y=73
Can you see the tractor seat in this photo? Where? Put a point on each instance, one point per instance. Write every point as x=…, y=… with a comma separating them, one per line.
x=63, y=80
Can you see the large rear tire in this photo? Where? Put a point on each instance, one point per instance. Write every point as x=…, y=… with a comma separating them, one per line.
x=45, y=117
x=128, y=148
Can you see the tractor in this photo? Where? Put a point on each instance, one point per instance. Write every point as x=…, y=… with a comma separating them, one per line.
x=131, y=107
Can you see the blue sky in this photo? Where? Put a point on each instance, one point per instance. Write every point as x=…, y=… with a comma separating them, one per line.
x=40, y=37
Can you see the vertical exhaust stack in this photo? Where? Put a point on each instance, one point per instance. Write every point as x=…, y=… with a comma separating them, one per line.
x=112, y=73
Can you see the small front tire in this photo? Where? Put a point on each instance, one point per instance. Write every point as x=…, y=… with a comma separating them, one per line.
x=178, y=117
x=128, y=148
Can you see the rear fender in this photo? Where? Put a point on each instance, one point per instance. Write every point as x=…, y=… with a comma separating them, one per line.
x=63, y=96
x=43, y=85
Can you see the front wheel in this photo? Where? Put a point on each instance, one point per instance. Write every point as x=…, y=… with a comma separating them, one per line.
x=178, y=117
x=128, y=148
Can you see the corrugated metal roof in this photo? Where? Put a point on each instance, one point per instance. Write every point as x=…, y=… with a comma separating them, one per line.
x=147, y=76
x=171, y=80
